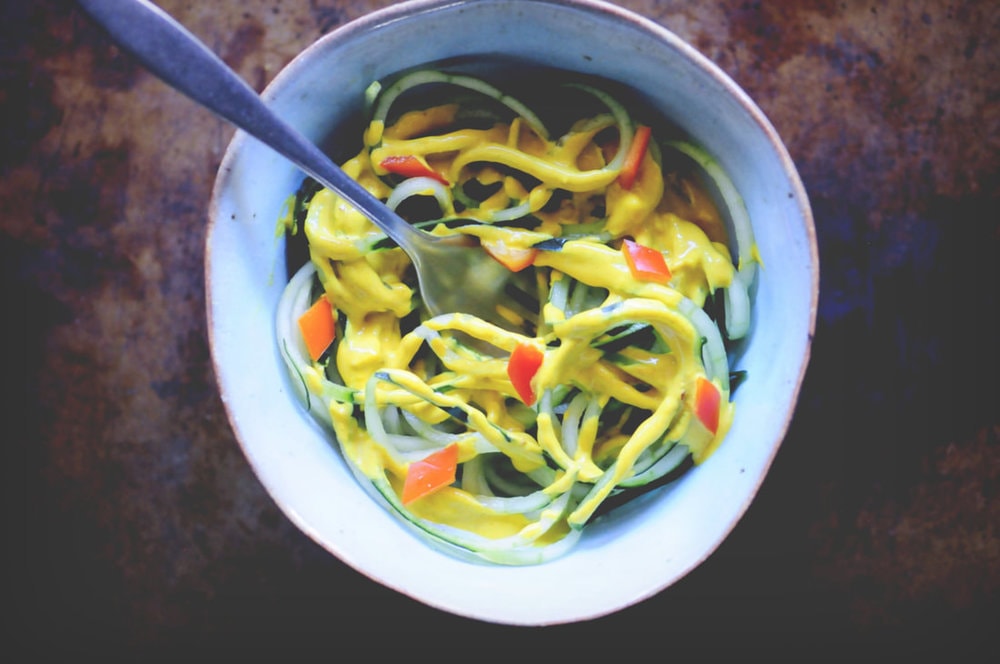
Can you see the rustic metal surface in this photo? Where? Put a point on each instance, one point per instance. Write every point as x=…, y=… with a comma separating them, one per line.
x=135, y=525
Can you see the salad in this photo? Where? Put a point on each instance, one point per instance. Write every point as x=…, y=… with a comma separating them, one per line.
x=631, y=287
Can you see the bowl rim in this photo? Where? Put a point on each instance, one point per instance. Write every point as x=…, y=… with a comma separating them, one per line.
x=382, y=16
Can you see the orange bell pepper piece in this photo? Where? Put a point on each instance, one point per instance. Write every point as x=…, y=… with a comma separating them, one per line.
x=514, y=259
x=430, y=474
x=318, y=327
x=706, y=403
x=633, y=158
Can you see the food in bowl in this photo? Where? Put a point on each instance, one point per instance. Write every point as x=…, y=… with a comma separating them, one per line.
x=632, y=259
x=629, y=553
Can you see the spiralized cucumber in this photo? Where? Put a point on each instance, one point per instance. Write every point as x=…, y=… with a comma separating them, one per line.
x=386, y=98
x=626, y=129
x=737, y=301
x=309, y=383
x=421, y=186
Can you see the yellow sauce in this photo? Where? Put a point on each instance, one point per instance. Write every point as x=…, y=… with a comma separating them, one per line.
x=373, y=291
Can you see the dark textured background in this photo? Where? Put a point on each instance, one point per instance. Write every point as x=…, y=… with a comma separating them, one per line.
x=135, y=528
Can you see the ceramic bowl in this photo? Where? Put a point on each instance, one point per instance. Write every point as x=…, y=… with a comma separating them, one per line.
x=632, y=553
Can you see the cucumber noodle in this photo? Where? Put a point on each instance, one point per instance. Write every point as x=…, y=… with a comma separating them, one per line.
x=615, y=413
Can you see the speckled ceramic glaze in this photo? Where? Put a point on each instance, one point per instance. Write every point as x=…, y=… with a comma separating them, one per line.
x=633, y=552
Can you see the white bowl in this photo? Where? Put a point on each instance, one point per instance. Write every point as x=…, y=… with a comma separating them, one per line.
x=632, y=553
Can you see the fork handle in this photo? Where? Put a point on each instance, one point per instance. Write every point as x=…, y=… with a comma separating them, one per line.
x=175, y=55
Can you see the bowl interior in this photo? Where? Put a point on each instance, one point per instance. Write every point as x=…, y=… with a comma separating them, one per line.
x=641, y=548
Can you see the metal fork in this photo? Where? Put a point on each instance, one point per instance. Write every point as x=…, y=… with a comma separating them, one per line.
x=455, y=273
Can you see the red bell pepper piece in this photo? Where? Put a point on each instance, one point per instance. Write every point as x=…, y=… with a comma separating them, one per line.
x=433, y=472
x=645, y=263
x=522, y=366
x=410, y=166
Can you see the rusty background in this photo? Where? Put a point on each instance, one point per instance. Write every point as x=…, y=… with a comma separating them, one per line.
x=137, y=531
